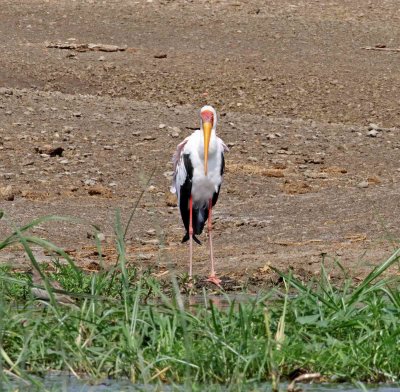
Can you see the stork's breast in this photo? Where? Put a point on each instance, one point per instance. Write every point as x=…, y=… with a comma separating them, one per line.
x=203, y=189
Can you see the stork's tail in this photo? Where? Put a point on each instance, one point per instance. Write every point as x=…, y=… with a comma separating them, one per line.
x=186, y=238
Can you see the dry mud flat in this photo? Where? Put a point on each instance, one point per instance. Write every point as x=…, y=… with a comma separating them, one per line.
x=292, y=193
x=309, y=176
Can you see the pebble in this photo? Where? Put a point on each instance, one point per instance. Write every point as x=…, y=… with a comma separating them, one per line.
x=313, y=174
x=7, y=193
x=317, y=160
x=373, y=133
x=101, y=237
x=161, y=126
x=90, y=181
x=175, y=132
x=374, y=127
x=48, y=150
x=150, y=242
x=363, y=184
x=142, y=256
x=5, y=91
x=171, y=200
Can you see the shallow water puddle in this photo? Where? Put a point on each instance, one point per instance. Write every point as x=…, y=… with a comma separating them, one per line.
x=71, y=384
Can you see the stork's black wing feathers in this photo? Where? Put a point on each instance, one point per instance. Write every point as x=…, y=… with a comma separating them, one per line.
x=216, y=194
x=185, y=192
x=200, y=215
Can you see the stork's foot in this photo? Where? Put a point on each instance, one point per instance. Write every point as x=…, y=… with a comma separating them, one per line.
x=215, y=280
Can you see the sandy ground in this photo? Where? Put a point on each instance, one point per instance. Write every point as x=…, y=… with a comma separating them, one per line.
x=312, y=119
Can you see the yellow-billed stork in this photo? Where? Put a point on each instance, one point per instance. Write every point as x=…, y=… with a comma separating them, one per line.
x=198, y=169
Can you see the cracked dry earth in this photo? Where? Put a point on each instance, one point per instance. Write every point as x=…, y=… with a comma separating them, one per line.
x=311, y=118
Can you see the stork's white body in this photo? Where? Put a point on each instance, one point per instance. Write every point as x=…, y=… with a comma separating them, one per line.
x=203, y=186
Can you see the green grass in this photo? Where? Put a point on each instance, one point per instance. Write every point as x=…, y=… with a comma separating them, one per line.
x=125, y=326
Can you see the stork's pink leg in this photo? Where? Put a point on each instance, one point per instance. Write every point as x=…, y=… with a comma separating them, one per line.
x=213, y=277
x=190, y=237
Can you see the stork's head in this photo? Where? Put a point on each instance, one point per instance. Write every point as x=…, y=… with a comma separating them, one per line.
x=208, y=123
